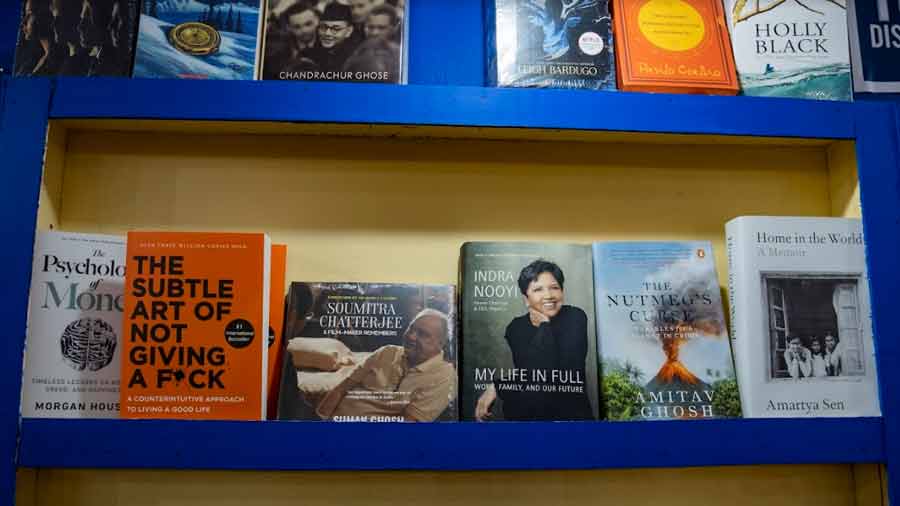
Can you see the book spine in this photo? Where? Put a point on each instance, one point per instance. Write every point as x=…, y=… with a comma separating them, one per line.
x=462, y=405
x=736, y=278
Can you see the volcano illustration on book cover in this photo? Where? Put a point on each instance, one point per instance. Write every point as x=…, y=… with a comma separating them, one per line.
x=661, y=330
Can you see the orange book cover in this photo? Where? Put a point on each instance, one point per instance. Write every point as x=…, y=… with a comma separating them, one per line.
x=196, y=321
x=276, y=325
x=674, y=46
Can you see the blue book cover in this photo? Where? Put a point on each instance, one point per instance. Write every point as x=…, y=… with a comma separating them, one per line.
x=661, y=331
x=550, y=44
x=198, y=39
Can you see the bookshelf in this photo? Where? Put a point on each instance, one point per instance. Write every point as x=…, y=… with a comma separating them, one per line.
x=383, y=183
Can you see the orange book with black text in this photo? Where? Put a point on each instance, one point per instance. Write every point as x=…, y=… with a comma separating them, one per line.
x=196, y=321
x=674, y=46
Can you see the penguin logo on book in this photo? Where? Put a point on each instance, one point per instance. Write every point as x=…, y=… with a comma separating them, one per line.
x=194, y=38
x=88, y=343
x=701, y=253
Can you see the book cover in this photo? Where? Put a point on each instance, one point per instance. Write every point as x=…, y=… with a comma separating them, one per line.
x=663, y=340
x=358, y=41
x=73, y=347
x=800, y=316
x=875, y=45
x=550, y=44
x=673, y=46
x=370, y=352
x=198, y=39
x=196, y=324
x=528, y=336
x=76, y=38
x=791, y=49
x=276, y=326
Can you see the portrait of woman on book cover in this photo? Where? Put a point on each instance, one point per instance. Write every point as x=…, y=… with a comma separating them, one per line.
x=551, y=337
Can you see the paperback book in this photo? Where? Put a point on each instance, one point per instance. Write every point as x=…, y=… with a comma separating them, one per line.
x=801, y=321
x=73, y=347
x=360, y=41
x=550, y=43
x=791, y=49
x=528, y=335
x=674, y=46
x=276, y=326
x=196, y=326
x=76, y=38
x=370, y=352
x=663, y=340
x=198, y=39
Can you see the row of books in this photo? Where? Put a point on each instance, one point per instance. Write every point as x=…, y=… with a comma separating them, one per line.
x=785, y=49
x=202, y=326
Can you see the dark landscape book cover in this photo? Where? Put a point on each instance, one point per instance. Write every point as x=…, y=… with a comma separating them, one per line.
x=550, y=44
x=76, y=38
x=663, y=340
x=528, y=335
x=369, y=352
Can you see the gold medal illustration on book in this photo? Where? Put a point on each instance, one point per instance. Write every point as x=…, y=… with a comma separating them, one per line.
x=194, y=38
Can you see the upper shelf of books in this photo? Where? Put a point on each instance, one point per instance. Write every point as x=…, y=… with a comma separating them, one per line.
x=458, y=106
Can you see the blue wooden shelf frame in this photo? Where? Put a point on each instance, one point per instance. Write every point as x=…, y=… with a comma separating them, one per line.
x=29, y=105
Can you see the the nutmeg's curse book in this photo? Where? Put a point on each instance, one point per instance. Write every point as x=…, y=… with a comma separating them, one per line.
x=661, y=330
x=369, y=352
x=674, y=46
x=73, y=347
x=195, y=342
x=528, y=334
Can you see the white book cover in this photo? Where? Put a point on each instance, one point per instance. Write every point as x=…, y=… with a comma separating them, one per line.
x=800, y=315
x=74, y=327
x=791, y=49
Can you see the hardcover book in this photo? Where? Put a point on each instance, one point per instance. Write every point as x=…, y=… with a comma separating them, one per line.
x=276, y=325
x=370, y=352
x=359, y=41
x=663, y=340
x=674, y=46
x=550, y=43
x=528, y=334
x=76, y=38
x=800, y=316
x=196, y=326
x=198, y=39
x=791, y=49
x=73, y=347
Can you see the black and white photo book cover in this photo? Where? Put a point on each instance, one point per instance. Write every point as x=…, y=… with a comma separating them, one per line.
x=800, y=317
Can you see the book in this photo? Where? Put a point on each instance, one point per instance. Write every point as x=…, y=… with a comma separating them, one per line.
x=789, y=49
x=875, y=45
x=198, y=39
x=663, y=340
x=196, y=326
x=550, y=44
x=528, y=336
x=801, y=318
x=276, y=326
x=673, y=46
x=85, y=38
x=73, y=344
x=370, y=352
x=360, y=41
